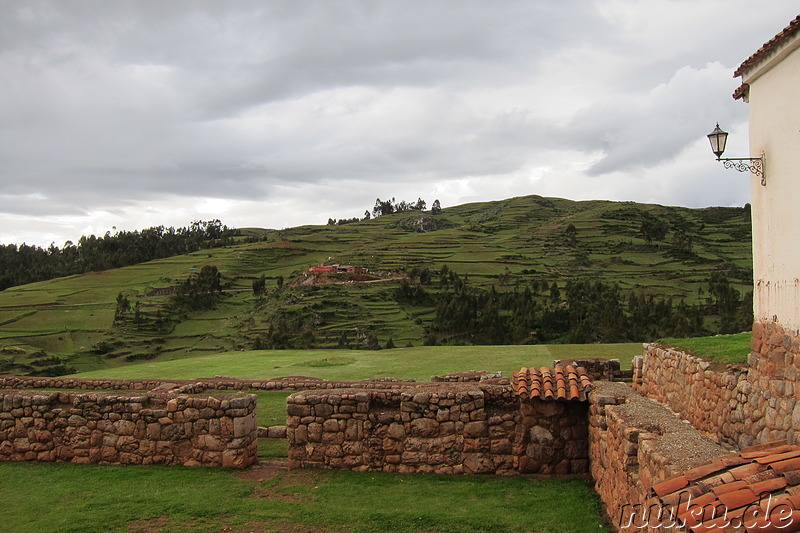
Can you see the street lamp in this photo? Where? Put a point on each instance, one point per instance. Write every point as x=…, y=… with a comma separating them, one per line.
x=718, y=138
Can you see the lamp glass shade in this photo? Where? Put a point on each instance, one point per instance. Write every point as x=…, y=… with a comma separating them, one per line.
x=718, y=138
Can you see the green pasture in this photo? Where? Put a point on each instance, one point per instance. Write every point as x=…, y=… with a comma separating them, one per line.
x=726, y=349
x=418, y=363
x=89, y=498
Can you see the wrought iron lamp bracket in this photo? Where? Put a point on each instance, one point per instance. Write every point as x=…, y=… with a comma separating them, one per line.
x=754, y=165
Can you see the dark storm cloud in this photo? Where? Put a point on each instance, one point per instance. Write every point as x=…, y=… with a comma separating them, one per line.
x=111, y=107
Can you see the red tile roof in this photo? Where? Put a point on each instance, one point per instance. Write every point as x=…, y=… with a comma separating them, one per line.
x=559, y=383
x=787, y=33
x=757, y=489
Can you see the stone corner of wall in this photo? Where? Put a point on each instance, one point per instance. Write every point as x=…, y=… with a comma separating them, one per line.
x=636, y=442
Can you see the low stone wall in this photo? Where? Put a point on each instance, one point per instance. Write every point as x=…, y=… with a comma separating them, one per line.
x=737, y=405
x=448, y=428
x=634, y=443
x=463, y=377
x=196, y=386
x=128, y=428
x=712, y=398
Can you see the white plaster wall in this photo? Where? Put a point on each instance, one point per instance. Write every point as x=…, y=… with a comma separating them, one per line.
x=774, y=102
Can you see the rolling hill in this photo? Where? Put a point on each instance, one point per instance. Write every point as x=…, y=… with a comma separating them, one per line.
x=495, y=248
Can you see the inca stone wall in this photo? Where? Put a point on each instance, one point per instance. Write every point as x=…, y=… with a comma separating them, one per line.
x=128, y=428
x=713, y=399
x=634, y=443
x=448, y=428
x=196, y=386
x=773, y=411
x=737, y=405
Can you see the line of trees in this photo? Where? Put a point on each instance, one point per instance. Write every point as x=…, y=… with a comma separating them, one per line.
x=388, y=207
x=582, y=311
x=26, y=264
x=200, y=291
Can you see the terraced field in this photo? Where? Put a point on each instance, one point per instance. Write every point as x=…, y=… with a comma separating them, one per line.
x=506, y=244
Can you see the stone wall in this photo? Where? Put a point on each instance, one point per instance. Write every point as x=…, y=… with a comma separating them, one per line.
x=197, y=386
x=634, y=443
x=128, y=428
x=737, y=405
x=712, y=398
x=448, y=428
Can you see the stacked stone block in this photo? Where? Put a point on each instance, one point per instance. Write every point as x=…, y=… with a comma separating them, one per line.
x=773, y=388
x=447, y=429
x=128, y=429
x=713, y=399
x=553, y=437
x=295, y=383
x=737, y=405
x=635, y=443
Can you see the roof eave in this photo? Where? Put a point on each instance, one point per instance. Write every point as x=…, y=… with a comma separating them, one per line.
x=768, y=50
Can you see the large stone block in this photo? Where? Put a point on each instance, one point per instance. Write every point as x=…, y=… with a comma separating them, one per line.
x=478, y=463
x=476, y=429
x=244, y=426
x=424, y=427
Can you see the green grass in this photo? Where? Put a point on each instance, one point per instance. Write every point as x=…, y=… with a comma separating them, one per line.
x=271, y=408
x=87, y=498
x=273, y=448
x=419, y=363
x=727, y=349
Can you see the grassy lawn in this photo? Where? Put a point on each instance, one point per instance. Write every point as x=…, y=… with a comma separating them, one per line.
x=728, y=349
x=86, y=498
x=419, y=363
x=271, y=408
x=66, y=497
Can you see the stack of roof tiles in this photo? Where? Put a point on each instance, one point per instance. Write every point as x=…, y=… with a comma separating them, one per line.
x=559, y=383
x=757, y=489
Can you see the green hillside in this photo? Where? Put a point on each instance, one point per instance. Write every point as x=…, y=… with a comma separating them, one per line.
x=507, y=247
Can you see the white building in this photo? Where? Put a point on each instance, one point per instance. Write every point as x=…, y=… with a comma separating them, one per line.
x=771, y=87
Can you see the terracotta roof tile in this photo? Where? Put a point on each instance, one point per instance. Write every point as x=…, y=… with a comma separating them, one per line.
x=738, y=498
x=762, y=447
x=761, y=476
x=718, y=479
x=769, y=451
x=774, y=523
x=681, y=495
x=670, y=485
x=741, y=472
x=768, y=47
x=731, y=460
x=559, y=383
x=775, y=457
x=704, y=470
x=785, y=466
x=769, y=485
x=745, y=487
x=729, y=487
x=792, y=477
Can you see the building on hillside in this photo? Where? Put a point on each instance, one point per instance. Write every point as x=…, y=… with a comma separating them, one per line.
x=771, y=87
x=331, y=269
x=338, y=269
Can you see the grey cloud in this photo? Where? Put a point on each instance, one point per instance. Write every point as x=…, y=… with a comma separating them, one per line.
x=635, y=131
x=105, y=104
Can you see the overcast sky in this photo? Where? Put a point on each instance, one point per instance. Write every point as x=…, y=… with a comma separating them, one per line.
x=282, y=113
